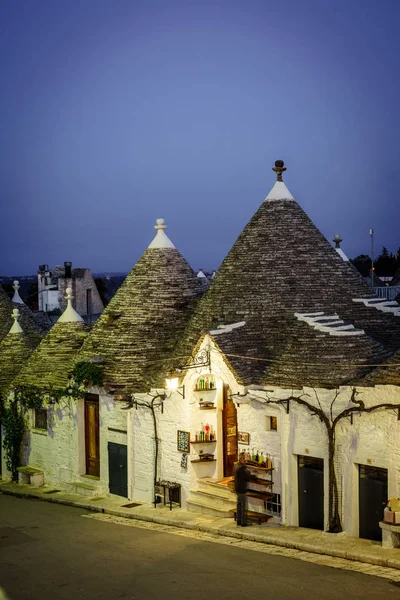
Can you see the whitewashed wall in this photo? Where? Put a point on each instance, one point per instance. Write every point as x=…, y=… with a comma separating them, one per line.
x=372, y=439
x=174, y=416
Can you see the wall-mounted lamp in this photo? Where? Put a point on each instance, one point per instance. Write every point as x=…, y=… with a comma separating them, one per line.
x=202, y=359
x=172, y=384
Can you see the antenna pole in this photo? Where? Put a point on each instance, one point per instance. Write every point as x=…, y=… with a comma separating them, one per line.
x=371, y=233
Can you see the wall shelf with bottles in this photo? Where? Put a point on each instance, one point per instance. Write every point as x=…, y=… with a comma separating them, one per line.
x=205, y=383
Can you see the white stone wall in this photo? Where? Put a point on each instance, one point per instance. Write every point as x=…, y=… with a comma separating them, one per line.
x=55, y=450
x=174, y=416
x=372, y=439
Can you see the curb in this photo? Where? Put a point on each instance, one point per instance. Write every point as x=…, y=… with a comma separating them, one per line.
x=311, y=548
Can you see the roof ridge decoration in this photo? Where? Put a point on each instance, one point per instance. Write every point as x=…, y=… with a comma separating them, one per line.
x=69, y=315
x=16, y=327
x=161, y=239
x=337, y=238
x=227, y=328
x=386, y=306
x=329, y=323
x=17, y=298
x=279, y=190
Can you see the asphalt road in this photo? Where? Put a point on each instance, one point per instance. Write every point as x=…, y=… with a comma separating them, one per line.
x=53, y=551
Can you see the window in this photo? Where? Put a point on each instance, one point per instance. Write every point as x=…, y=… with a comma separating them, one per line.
x=271, y=423
x=274, y=505
x=40, y=418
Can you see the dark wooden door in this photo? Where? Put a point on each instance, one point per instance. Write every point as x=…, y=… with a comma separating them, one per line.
x=118, y=469
x=230, y=434
x=373, y=496
x=92, y=437
x=311, y=492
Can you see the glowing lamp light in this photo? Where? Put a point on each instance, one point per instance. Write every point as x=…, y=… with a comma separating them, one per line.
x=172, y=383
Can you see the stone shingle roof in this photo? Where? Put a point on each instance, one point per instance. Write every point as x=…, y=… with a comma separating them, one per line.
x=140, y=327
x=32, y=329
x=281, y=265
x=53, y=360
x=15, y=350
x=385, y=375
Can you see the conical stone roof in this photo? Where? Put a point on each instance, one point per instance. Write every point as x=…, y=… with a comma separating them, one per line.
x=280, y=266
x=31, y=328
x=139, y=329
x=52, y=361
x=389, y=375
x=15, y=350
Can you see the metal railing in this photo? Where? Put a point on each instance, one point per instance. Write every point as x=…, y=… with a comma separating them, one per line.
x=387, y=292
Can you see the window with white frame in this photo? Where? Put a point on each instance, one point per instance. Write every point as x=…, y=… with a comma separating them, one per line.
x=274, y=505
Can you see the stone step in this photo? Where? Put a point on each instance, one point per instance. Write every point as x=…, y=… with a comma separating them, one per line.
x=207, y=507
x=210, y=486
x=217, y=501
x=84, y=489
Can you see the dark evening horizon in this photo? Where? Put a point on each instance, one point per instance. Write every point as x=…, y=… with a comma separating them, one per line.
x=114, y=115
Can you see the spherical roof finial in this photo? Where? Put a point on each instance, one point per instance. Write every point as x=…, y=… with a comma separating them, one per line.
x=279, y=168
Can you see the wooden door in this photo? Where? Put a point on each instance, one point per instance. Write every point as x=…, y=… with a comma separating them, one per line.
x=311, y=492
x=373, y=496
x=118, y=469
x=230, y=434
x=92, y=437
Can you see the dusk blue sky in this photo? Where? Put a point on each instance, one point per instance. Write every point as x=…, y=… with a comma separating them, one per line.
x=116, y=113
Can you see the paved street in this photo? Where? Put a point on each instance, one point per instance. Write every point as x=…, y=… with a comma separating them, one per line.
x=53, y=551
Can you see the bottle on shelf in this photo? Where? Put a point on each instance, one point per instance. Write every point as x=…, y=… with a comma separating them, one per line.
x=207, y=383
x=253, y=456
x=256, y=457
x=261, y=459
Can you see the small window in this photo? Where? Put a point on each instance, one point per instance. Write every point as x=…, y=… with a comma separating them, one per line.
x=274, y=505
x=40, y=418
x=271, y=423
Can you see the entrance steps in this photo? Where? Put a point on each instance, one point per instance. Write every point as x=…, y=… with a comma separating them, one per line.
x=211, y=498
x=91, y=487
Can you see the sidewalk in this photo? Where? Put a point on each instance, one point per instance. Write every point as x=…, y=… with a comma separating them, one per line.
x=309, y=540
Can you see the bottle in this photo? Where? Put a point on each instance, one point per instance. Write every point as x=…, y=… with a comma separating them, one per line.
x=207, y=383
x=248, y=457
x=256, y=457
x=261, y=459
x=253, y=456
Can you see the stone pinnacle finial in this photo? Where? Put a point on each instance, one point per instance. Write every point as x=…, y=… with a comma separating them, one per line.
x=279, y=168
x=337, y=238
x=161, y=239
x=16, y=328
x=69, y=315
x=160, y=224
x=17, y=298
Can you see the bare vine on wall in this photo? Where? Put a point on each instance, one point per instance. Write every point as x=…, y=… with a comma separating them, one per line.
x=330, y=421
x=155, y=402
